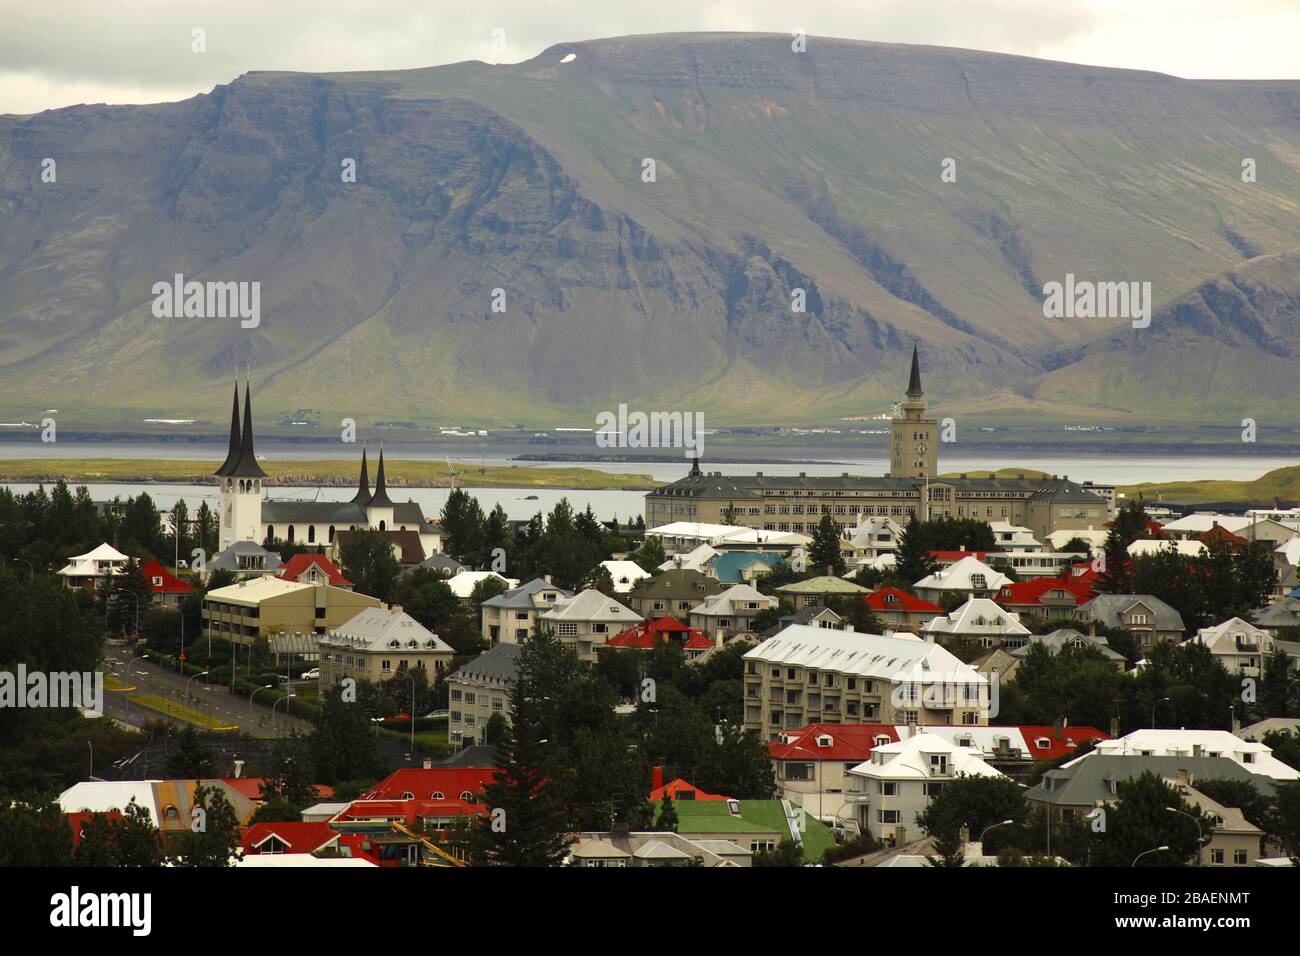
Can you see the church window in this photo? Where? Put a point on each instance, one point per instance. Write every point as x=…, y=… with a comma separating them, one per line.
x=311, y=534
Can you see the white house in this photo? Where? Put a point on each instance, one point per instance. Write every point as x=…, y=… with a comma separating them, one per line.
x=587, y=620
x=92, y=570
x=730, y=612
x=968, y=577
x=982, y=620
x=462, y=584
x=1239, y=645
x=875, y=536
x=1253, y=756
x=896, y=784
x=1014, y=537
x=625, y=574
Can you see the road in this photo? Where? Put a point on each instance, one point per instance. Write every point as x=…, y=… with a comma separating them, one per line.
x=215, y=700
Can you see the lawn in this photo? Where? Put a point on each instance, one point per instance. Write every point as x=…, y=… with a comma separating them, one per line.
x=179, y=711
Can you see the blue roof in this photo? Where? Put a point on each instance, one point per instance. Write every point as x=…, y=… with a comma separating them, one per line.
x=728, y=564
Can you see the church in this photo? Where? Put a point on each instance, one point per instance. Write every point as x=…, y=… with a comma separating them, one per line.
x=246, y=514
x=790, y=503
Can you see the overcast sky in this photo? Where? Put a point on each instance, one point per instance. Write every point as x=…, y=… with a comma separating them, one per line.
x=63, y=52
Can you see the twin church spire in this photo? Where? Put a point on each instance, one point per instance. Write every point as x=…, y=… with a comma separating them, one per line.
x=241, y=460
x=363, y=496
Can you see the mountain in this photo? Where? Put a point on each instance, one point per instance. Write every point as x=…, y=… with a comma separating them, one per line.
x=775, y=171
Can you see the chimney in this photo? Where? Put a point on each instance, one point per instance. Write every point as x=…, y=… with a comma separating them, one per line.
x=1058, y=726
x=546, y=578
x=239, y=768
x=1184, y=778
x=1196, y=750
x=656, y=778
x=1114, y=727
x=428, y=763
x=848, y=626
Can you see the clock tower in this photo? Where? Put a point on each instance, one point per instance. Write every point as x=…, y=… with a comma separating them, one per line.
x=913, y=437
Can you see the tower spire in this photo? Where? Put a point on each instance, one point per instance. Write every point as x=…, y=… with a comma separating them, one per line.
x=380, y=498
x=914, y=383
x=363, y=489
x=247, y=466
x=232, y=450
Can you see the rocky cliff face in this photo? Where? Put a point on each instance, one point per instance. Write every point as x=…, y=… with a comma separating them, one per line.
x=775, y=172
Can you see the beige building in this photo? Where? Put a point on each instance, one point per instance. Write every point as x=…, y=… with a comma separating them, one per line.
x=509, y=618
x=675, y=593
x=378, y=643
x=587, y=620
x=479, y=689
x=813, y=675
x=786, y=503
x=259, y=607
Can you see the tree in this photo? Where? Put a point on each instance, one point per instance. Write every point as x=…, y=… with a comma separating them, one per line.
x=213, y=837
x=599, y=579
x=343, y=746
x=525, y=825
x=277, y=810
x=912, y=558
x=192, y=759
x=825, y=554
x=1140, y=820
x=1076, y=545
x=369, y=561
x=206, y=532
x=1277, y=686
x=667, y=821
x=1286, y=820
x=128, y=839
x=182, y=541
x=786, y=853
x=463, y=527
x=975, y=803
x=650, y=555
x=292, y=771
x=428, y=598
x=730, y=515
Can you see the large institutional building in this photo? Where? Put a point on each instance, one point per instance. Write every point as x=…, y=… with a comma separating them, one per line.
x=913, y=486
x=247, y=516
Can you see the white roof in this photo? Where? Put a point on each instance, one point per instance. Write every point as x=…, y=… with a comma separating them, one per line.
x=747, y=536
x=625, y=574
x=253, y=591
x=896, y=657
x=658, y=850
x=376, y=628
x=726, y=603
x=100, y=796
x=83, y=564
x=977, y=616
x=693, y=529
x=1093, y=536
x=695, y=559
x=591, y=605
x=1144, y=546
x=264, y=860
x=462, y=583
x=1237, y=524
x=957, y=577
x=910, y=760
x=1290, y=550
x=1213, y=743
x=1222, y=638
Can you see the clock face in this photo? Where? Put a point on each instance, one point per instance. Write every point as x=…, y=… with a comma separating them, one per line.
x=920, y=449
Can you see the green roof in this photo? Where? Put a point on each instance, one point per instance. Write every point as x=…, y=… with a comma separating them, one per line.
x=713, y=816
x=826, y=584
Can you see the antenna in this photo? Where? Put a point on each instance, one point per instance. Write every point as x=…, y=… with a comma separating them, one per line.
x=451, y=471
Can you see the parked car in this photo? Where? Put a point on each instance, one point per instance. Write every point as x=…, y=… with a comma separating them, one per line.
x=313, y=674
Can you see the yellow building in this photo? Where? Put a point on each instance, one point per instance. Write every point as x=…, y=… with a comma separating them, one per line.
x=257, y=608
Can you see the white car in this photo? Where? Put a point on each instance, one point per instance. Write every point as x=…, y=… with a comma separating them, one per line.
x=313, y=674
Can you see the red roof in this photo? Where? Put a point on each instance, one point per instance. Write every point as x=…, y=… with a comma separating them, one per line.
x=299, y=837
x=1153, y=528
x=1083, y=574
x=423, y=783
x=251, y=787
x=648, y=634
x=171, y=584
x=1071, y=737
x=1218, y=532
x=955, y=556
x=848, y=742
x=1031, y=592
x=410, y=811
x=678, y=787
x=895, y=599
x=300, y=564
x=80, y=818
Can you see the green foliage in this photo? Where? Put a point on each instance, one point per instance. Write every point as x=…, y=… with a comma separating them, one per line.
x=1139, y=821
x=369, y=562
x=824, y=554
x=912, y=558
x=192, y=758
x=343, y=745
x=216, y=841
x=786, y=853
x=667, y=819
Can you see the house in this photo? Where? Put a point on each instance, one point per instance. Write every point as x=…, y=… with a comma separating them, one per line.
x=656, y=848
x=730, y=612
x=968, y=577
x=1283, y=726
x=1014, y=537
x=625, y=574
x=900, y=611
x=806, y=675
x=875, y=536
x=479, y=689
x=165, y=589
x=753, y=825
x=676, y=592
x=510, y=617
x=650, y=634
x=1044, y=599
x=1183, y=547
x=1054, y=643
x=812, y=763
x=1241, y=647
x=93, y=570
x=462, y=584
x=378, y=643
x=814, y=616
x=260, y=607
x=313, y=569
x=1075, y=789
x=587, y=620
x=1094, y=538
x=244, y=559
x=888, y=791
x=1147, y=618
x=1282, y=613
x=443, y=565
x=741, y=567
x=816, y=591
x=699, y=558
x=1248, y=527
x=169, y=802
x=1221, y=536
x=1254, y=757
x=678, y=789
x=405, y=543
x=281, y=838
x=981, y=621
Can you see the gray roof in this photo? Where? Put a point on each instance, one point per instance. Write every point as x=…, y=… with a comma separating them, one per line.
x=1085, y=781
x=522, y=596
x=440, y=563
x=314, y=512
x=1283, y=613
x=377, y=628
x=228, y=560
x=499, y=664
x=1107, y=608
x=1059, y=638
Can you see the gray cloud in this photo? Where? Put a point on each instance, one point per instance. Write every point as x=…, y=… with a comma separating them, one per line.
x=75, y=51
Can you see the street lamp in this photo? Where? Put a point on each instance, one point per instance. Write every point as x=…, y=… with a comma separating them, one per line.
x=1153, y=709
x=187, y=686
x=254, y=694
x=407, y=674
x=1147, y=853
x=1001, y=823
x=31, y=571
x=1200, y=834
x=286, y=698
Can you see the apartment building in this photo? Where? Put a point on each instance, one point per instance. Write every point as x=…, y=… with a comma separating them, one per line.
x=676, y=592
x=260, y=607
x=511, y=616
x=805, y=675
x=731, y=612
x=479, y=689
x=378, y=643
x=587, y=620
